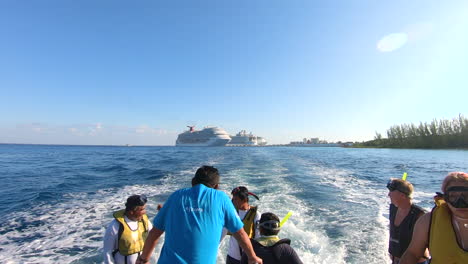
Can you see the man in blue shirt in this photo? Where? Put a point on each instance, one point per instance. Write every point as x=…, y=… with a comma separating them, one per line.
x=193, y=219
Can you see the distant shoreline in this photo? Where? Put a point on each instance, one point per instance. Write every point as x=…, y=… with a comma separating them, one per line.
x=86, y=145
x=387, y=147
x=231, y=146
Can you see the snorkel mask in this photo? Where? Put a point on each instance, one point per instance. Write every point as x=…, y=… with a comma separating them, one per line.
x=457, y=196
x=393, y=185
x=270, y=225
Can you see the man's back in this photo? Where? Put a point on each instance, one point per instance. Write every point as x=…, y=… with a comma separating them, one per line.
x=193, y=219
x=279, y=253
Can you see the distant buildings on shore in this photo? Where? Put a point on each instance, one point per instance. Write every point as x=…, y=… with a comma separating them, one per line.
x=316, y=142
x=309, y=141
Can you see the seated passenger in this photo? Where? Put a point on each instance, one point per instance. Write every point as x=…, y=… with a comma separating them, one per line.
x=250, y=217
x=445, y=229
x=269, y=247
x=403, y=216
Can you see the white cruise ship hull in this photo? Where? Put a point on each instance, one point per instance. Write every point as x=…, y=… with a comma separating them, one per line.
x=244, y=139
x=207, y=137
x=215, y=142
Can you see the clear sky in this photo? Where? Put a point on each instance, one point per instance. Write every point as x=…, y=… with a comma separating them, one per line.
x=138, y=72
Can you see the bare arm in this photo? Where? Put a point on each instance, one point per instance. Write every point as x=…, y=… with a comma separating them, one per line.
x=244, y=242
x=419, y=242
x=150, y=244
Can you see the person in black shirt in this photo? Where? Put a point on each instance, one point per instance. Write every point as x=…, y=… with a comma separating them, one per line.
x=269, y=247
x=403, y=216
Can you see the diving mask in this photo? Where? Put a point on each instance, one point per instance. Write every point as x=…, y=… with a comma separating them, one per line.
x=271, y=225
x=393, y=185
x=457, y=196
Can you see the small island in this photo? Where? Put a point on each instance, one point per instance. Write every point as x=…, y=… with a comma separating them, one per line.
x=438, y=134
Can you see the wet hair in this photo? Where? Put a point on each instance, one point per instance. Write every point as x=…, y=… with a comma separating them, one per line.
x=454, y=177
x=403, y=186
x=207, y=175
x=243, y=193
x=134, y=201
x=273, y=227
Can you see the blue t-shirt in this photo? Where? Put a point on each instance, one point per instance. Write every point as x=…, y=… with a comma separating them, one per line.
x=193, y=219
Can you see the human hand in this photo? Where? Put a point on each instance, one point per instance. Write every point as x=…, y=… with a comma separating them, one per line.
x=159, y=207
x=255, y=260
x=141, y=261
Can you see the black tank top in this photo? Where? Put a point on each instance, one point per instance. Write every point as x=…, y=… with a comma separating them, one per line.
x=279, y=253
x=400, y=237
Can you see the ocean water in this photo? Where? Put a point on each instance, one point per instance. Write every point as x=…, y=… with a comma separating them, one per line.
x=55, y=201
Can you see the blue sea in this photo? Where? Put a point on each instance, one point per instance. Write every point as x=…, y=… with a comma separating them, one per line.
x=56, y=201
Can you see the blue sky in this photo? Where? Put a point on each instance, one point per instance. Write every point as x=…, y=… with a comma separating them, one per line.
x=119, y=72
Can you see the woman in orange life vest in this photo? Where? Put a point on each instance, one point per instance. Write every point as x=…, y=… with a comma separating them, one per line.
x=445, y=229
x=249, y=215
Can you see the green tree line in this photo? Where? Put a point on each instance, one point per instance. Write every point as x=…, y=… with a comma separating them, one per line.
x=437, y=134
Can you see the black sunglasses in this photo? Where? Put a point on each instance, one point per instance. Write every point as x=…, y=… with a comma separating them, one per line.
x=392, y=186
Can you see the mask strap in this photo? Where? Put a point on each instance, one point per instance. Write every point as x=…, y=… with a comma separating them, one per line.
x=253, y=194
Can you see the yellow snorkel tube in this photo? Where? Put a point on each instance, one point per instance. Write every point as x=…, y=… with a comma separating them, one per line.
x=285, y=218
x=404, y=176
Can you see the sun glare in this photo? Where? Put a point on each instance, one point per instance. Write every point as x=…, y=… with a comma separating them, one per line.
x=392, y=42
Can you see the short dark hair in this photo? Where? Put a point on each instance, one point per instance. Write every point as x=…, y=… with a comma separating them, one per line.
x=134, y=201
x=241, y=192
x=207, y=175
x=271, y=218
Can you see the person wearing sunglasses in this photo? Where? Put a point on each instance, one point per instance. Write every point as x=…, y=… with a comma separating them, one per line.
x=445, y=229
x=403, y=216
x=269, y=246
x=249, y=215
x=193, y=219
x=126, y=234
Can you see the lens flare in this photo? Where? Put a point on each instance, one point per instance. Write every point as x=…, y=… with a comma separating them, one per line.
x=392, y=42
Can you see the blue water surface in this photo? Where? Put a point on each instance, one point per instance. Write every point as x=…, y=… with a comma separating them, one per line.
x=57, y=200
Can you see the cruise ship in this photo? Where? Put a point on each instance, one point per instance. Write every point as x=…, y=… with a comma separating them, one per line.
x=242, y=138
x=207, y=137
x=261, y=141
